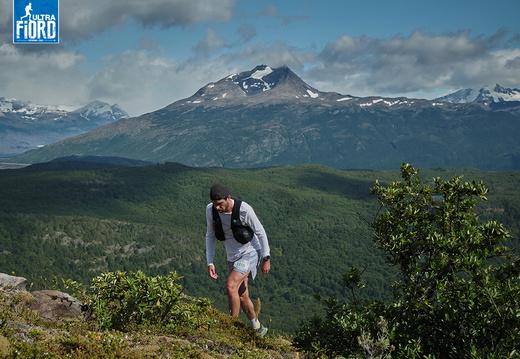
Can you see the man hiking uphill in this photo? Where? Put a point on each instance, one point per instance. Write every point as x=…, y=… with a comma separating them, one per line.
x=235, y=223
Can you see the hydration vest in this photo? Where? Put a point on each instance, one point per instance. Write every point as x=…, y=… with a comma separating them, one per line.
x=243, y=234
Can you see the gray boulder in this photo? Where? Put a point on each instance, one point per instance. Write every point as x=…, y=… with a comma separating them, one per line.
x=50, y=304
x=17, y=282
x=55, y=305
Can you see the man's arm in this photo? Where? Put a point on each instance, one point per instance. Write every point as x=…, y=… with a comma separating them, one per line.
x=210, y=242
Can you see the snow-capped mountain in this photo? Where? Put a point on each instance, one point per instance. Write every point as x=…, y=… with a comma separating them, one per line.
x=259, y=85
x=95, y=111
x=494, y=98
x=271, y=117
x=486, y=94
x=25, y=126
x=101, y=111
x=28, y=110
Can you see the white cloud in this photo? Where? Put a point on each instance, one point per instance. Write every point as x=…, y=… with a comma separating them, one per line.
x=270, y=11
x=41, y=77
x=274, y=54
x=273, y=12
x=210, y=44
x=141, y=81
x=80, y=20
x=246, y=32
x=417, y=64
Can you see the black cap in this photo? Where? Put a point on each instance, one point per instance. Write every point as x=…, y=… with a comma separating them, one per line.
x=219, y=191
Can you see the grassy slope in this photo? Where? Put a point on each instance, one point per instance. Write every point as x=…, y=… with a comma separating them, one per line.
x=24, y=334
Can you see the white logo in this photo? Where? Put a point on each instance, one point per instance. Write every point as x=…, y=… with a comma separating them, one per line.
x=35, y=22
x=242, y=264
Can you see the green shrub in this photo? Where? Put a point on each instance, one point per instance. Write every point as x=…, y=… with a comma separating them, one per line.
x=458, y=295
x=120, y=300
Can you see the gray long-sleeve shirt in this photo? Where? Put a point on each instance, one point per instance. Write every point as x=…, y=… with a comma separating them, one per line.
x=234, y=249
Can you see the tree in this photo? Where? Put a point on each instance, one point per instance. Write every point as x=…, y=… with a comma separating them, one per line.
x=459, y=292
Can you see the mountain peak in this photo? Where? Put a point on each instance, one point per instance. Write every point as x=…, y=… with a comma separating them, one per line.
x=261, y=84
x=486, y=94
x=100, y=109
x=28, y=126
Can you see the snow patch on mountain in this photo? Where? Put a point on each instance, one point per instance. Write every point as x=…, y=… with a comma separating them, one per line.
x=260, y=73
x=345, y=99
x=312, y=94
x=486, y=94
x=386, y=101
x=256, y=81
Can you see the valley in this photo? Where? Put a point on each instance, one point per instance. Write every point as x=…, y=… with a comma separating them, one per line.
x=78, y=223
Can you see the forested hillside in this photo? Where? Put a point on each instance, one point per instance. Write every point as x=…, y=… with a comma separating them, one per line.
x=77, y=224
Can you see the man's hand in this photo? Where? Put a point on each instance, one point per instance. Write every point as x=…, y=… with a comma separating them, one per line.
x=211, y=271
x=266, y=266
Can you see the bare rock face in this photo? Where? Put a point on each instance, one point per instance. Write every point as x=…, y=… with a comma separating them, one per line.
x=17, y=282
x=55, y=305
x=50, y=304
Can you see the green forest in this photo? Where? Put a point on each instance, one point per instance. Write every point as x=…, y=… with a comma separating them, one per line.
x=76, y=224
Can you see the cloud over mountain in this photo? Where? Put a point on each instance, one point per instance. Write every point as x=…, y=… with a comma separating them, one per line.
x=145, y=55
x=418, y=62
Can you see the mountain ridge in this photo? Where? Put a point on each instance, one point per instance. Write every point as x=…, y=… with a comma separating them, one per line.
x=483, y=94
x=271, y=117
x=493, y=98
x=25, y=126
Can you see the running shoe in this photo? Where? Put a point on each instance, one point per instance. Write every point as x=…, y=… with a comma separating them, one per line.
x=261, y=331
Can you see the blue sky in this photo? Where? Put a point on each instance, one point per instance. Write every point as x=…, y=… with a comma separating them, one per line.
x=144, y=55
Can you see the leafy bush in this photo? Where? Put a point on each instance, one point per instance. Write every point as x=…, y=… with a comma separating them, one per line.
x=459, y=292
x=120, y=300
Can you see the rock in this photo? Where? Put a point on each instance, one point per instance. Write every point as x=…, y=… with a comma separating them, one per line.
x=17, y=282
x=55, y=305
x=50, y=304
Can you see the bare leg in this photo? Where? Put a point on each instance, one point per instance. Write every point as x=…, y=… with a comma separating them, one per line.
x=238, y=295
x=245, y=302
